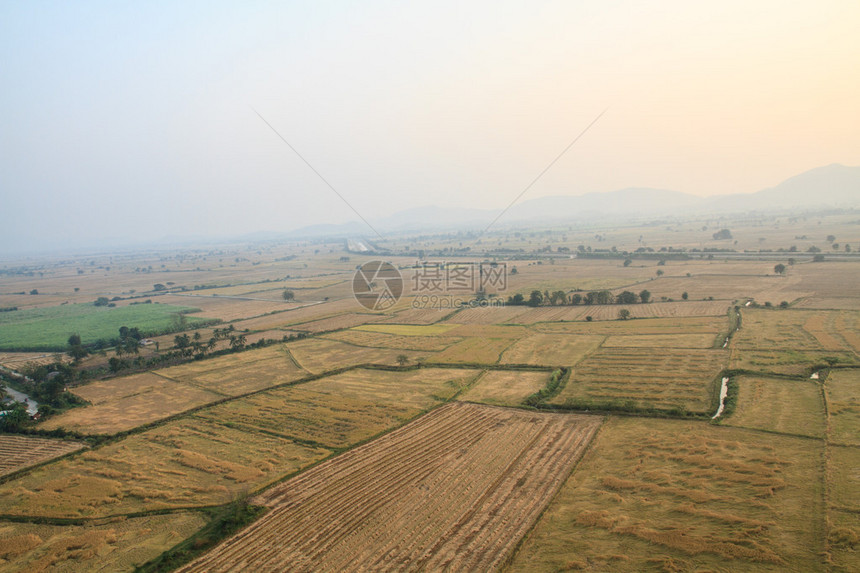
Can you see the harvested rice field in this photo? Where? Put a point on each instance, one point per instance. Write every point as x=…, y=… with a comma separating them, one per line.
x=505, y=388
x=344, y=409
x=119, y=404
x=657, y=495
x=237, y=374
x=18, y=452
x=779, y=405
x=185, y=463
x=453, y=490
x=551, y=349
x=118, y=545
x=659, y=377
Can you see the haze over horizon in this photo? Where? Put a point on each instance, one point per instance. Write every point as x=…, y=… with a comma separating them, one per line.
x=139, y=120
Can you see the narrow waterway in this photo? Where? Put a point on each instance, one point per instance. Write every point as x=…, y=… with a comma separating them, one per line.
x=724, y=391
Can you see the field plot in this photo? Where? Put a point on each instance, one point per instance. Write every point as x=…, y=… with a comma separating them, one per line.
x=505, y=388
x=318, y=355
x=667, y=495
x=116, y=546
x=18, y=452
x=691, y=325
x=123, y=403
x=408, y=329
x=490, y=314
x=454, y=490
x=338, y=322
x=792, y=341
x=729, y=287
x=785, y=406
x=800, y=330
x=833, y=286
x=661, y=341
x=380, y=340
x=552, y=314
x=227, y=309
x=49, y=328
x=659, y=377
x=185, y=463
x=341, y=410
x=235, y=374
x=418, y=315
x=16, y=360
x=473, y=351
x=551, y=349
x=843, y=396
x=303, y=313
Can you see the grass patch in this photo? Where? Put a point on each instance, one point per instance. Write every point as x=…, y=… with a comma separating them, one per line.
x=49, y=328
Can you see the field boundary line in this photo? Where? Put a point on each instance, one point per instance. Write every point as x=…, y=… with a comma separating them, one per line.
x=184, y=383
x=505, y=564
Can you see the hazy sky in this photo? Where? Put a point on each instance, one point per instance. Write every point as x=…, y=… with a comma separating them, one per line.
x=136, y=119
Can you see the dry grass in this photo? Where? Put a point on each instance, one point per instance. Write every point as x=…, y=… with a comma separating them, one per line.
x=341, y=410
x=505, y=388
x=118, y=545
x=18, y=452
x=120, y=404
x=790, y=407
x=227, y=309
x=338, y=322
x=843, y=395
x=473, y=351
x=408, y=329
x=660, y=377
x=318, y=355
x=551, y=349
x=845, y=478
x=186, y=463
x=688, y=495
x=645, y=326
x=661, y=341
x=236, y=374
x=452, y=491
x=379, y=340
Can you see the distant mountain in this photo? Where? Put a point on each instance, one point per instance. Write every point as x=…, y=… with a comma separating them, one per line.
x=830, y=186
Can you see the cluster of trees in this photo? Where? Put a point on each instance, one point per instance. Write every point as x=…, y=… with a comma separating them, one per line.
x=562, y=298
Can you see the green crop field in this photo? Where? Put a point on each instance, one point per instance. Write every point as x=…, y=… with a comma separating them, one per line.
x=49, y=328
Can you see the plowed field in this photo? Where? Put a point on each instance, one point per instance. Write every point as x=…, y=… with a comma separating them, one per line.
x=18, y=452
x=454, y=490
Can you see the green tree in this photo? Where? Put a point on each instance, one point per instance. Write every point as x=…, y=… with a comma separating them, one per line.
x=626, y=297
x=623, y=314
x=659, y=273
x=101, y=301
x=181, y=341
x=644, y=296
x=779, y=269
x=575, y=298
x=535, y=298
x=628, y=262
x=288, y=295
x=402, y=359
x=685, y=295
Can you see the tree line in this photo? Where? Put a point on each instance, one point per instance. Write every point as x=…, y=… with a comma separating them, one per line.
x=562, y=298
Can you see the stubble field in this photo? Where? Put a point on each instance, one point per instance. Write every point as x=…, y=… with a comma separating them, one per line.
x=453, y=490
